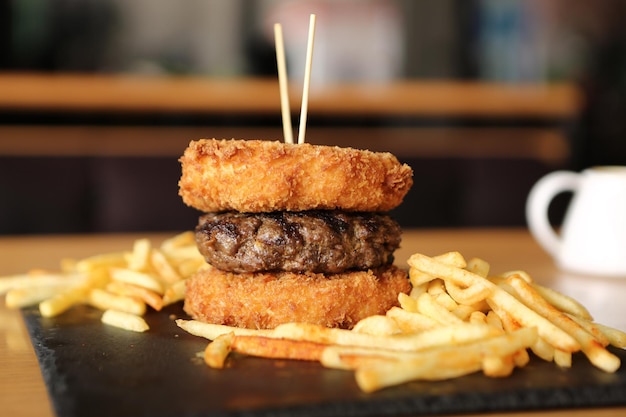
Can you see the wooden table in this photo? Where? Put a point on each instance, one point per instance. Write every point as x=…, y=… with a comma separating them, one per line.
x=22, y=390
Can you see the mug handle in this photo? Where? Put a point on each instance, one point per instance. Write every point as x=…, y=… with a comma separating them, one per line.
x=538, y=202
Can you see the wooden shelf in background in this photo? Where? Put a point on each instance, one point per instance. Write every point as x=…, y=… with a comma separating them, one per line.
x=231, y=96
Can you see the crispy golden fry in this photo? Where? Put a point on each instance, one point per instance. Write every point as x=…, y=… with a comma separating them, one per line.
x=498, y=366
x=104, y=261
x=125, y=289
x=410, y=322
x=24, y=297
x=268, y=347
x=377, y=325
x=477, y=317
x=543, y=349
x=464, y=311
x=616, y=337
x=468, y=296
x=140, y=256
x=430, y=308
x=524, y=316
x=451, y=258
x=137, y=278
x=562, y=302
x=217, y=351
x=459, y=333
x=104, y=300
x=174, y=293
x=164, y=269
x=418, y=278
x=182, y=240
x=213, y=331
x=479, y=267
x=63, y=301
x=124, y=320
x=593, y=349
x=456, y=275
x=37, y=279
x=523, y=274
x=444, y=362
x=591, y=328
x=189, y=266
x=562, y=359
x=407, y=302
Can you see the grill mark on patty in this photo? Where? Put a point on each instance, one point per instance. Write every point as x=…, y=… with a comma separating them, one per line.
x=315, y=241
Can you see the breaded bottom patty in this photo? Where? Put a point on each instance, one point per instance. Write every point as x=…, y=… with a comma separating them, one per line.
x=265, y=300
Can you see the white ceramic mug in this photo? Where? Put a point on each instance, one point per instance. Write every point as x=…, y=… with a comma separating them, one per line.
x=592, y=239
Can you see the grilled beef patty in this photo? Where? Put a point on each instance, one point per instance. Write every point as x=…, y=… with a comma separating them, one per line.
x=314, y=241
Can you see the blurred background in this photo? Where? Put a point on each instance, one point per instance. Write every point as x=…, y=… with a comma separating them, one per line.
x=98, y=99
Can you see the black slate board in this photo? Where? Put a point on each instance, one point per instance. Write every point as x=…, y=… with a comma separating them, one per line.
x=94, y=370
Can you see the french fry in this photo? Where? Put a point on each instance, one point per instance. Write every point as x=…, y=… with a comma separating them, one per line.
x=591, y=328
x=104, y=261
x=529, y=318
x=464, y=311
x=63, y=301
x=123, y=320
x=104, y=300
x=37, y=279
x=419, y=278
x=410, y=322
x=498, y=366
x=594, y=351
x=456, y=275
x=454, y=259
x=562, y=359
x=181, y=240
x=479, y=267
x=349, y=358
x=24, y=297
x=140, y=256
x=277, y=348
x=217, y=351
x=468, y=296
x=189, y=266
x=460, y=333
x=213, y=331
x=175, y=292
x=165, y=271
x=407, y=303
x=562, y=302
x=430, y=308
x=418, y=290
x=523, y=274
x=616, y=337
x=125, y=289
x=444, y=362
x=140, y=279
x=478, y=317
x=377, y=325
x=543, y=349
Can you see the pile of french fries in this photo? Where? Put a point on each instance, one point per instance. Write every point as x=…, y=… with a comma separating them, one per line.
x=124, y=285
x=458, y=319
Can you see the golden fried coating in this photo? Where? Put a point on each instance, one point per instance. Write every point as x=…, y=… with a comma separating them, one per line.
x=262, y=176
x=265, y=300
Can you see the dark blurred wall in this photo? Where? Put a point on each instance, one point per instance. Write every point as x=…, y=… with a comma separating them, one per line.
x=58, y=35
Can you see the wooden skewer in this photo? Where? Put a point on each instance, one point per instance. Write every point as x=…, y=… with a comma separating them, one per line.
x=307, y=80
x=282, y=82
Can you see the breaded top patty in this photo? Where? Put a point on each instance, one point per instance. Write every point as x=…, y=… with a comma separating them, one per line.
x=263, y=176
